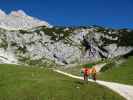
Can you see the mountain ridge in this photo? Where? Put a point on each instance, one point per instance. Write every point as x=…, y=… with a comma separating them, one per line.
x=62, y=45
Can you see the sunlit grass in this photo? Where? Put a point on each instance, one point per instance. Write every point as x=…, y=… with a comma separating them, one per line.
x=32, y=83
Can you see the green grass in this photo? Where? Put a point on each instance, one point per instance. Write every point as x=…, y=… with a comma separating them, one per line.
x=32, y=83
x=75, y=70
x=122, y=73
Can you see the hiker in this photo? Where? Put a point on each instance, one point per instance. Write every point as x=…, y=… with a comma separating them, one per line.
x=93, y=73
x=86, y=72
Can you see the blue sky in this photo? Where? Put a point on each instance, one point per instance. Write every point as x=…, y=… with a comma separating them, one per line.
x=109, y=13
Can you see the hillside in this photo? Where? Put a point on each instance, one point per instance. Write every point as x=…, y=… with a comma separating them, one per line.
x=63, y=45
x=122, y=73
x=32, y=83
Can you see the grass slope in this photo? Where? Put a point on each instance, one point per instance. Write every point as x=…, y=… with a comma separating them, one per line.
x=122, y=73
x=28, y=83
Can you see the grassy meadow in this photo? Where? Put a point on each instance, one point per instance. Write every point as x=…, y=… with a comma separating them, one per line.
x=32, y=83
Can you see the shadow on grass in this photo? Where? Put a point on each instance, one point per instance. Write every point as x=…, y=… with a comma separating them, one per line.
x=79, y=82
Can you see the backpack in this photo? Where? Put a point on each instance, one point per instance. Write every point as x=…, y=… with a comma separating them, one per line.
x=86, y=71
x=93, y=71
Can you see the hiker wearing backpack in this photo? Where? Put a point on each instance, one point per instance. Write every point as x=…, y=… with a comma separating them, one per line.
x=93, y=73
x=87, y=71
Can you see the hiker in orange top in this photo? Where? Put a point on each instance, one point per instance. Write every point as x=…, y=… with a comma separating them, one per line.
x=93, y=73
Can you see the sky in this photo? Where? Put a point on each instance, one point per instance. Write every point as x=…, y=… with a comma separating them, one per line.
x=108, y=13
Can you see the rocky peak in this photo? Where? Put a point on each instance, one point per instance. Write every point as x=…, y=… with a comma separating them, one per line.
x=18, y=13
x=17, y=20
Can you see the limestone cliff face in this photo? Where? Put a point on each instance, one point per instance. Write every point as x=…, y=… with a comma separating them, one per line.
x=63, y=45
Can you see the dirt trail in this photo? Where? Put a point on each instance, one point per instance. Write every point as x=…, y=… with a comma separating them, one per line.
x=124, y=90
x=99, y=66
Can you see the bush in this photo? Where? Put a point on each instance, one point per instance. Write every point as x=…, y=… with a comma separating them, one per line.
x=3, y=44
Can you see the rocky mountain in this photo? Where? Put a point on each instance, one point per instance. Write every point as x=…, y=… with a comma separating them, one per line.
x=42, y=44
x=19, y=20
